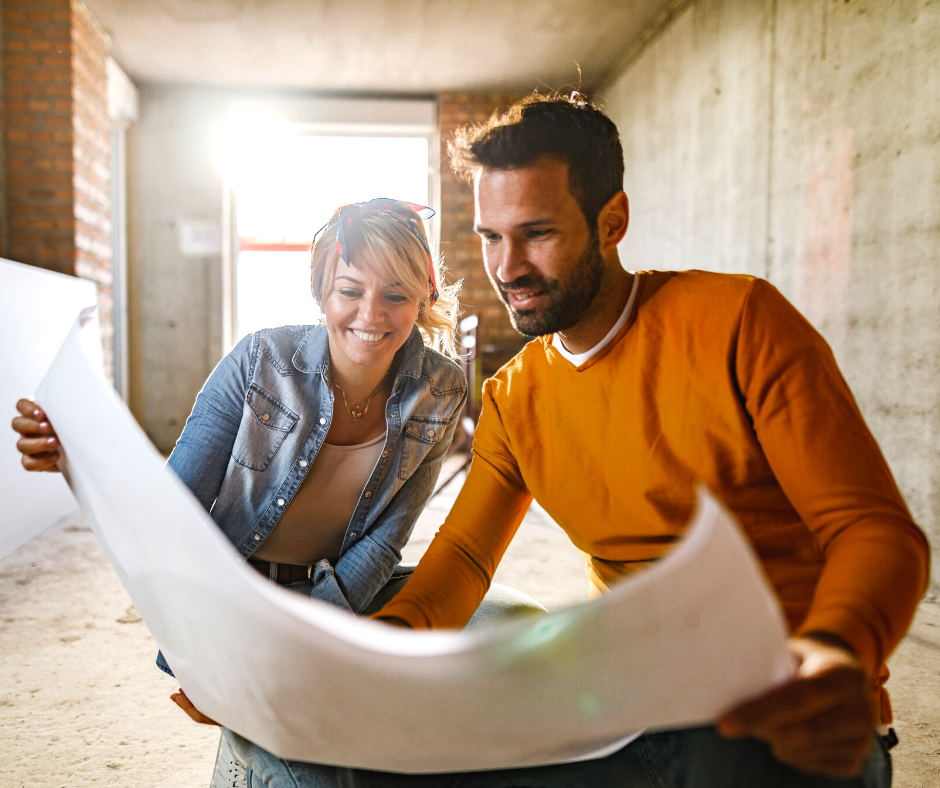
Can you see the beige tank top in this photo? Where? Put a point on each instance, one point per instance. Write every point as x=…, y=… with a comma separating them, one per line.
x=314, y=524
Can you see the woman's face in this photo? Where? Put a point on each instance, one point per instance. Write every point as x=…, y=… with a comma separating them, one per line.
x=368, y=317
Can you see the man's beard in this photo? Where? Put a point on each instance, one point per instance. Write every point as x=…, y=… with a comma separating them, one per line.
x=568, y=299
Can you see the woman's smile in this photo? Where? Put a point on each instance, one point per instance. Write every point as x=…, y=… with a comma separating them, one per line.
x=369, y=337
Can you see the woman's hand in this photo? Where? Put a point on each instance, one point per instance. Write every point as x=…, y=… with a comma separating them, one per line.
x=180, y=699
x=38, y=442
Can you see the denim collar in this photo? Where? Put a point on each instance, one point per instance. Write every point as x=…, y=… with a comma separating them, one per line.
x=313, y=354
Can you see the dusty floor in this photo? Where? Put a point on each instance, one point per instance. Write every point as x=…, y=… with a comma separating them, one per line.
x=81, y=702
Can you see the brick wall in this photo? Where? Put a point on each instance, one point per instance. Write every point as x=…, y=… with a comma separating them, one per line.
x=498, y=340
x=38, y=113
x=91, y=175
x=56, y=144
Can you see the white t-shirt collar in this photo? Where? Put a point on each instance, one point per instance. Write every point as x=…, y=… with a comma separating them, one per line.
x=579, y=358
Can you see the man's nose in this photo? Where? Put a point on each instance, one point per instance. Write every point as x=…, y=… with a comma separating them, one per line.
x=510, y=261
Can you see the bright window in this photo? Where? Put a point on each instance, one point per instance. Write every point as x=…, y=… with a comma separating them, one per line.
x=286, y=188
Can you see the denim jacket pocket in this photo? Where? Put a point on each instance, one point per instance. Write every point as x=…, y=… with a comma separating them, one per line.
x=264, y=426
x=419, y=437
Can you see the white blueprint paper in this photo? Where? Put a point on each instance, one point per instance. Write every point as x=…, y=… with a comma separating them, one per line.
x=674, y=645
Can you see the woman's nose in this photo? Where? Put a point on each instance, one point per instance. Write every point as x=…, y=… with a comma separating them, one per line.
x=371, y=308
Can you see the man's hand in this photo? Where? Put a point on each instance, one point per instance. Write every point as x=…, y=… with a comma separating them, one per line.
x=180, y=699
x=821, y=722
x=38, y=442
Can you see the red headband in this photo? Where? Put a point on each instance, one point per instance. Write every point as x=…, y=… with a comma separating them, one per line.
x=393, y=210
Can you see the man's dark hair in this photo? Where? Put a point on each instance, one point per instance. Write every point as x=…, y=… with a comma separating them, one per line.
x=568, y=128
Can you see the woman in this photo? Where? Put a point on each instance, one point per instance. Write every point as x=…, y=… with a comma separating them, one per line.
x=316, y=448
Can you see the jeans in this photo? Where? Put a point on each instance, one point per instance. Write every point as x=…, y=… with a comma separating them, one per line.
x=265, y=769
x=686, y=758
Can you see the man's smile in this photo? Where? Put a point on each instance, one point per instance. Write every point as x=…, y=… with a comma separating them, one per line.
x=523, y=299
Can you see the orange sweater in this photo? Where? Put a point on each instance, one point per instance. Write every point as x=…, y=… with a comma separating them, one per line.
x=714, y=378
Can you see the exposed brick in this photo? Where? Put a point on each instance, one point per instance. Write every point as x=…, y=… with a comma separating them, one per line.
x=19, y=31
x=459, y=244
x=21, y=61
x=56, y=129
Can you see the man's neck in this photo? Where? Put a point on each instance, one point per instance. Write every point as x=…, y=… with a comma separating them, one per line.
x=604, y=312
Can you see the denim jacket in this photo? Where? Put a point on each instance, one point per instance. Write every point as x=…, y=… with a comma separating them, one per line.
x=259, y=422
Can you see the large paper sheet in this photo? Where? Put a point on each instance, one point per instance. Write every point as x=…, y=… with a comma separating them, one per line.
x=675, y=645
x=28, y=343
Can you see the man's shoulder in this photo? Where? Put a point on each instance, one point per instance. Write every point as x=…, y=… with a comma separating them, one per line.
x=532, y=355
x=695, y=283
x=702, y=298
x=526, y=376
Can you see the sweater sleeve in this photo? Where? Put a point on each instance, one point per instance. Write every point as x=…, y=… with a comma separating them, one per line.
x=457, y=569
x=832, y=471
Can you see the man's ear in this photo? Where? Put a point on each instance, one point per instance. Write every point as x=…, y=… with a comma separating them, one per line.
x=613, y=220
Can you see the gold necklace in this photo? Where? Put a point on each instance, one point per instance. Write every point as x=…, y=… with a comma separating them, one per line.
x=356, y=413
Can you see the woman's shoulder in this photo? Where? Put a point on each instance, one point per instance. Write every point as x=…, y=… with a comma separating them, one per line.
x=443, y=374
x=280, y=343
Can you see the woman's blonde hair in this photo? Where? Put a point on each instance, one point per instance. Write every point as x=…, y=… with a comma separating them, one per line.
x=402, y=258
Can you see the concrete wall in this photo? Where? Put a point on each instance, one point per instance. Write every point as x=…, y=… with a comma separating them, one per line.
x=175, y=301
x=799, y=140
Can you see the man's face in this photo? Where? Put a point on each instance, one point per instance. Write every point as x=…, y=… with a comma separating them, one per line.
x=540, y=254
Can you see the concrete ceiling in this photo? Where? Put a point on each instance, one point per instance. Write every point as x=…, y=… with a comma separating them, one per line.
x=374, y=46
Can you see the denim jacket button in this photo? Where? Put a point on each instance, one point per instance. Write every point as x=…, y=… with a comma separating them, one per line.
x=280, y=501
x=385, y=454
x=394, y=415
x=257, y=538
x=322, y=420
x=352, y=535
x=368, y=494
x=430, y=433
x=265, y=417
x=303, y=463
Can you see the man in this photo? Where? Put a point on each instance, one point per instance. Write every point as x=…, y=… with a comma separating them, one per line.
x=639, y=386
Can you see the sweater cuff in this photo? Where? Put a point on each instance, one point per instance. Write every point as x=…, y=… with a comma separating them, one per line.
x=403, y=612
x=851, y=627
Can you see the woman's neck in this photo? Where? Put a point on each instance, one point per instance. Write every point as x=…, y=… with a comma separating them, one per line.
x=356, y=380
x=364, y=390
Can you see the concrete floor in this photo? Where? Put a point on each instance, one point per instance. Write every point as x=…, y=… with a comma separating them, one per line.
x=81, y=702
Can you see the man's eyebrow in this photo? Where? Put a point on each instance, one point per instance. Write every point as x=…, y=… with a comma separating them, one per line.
x=523, y=226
